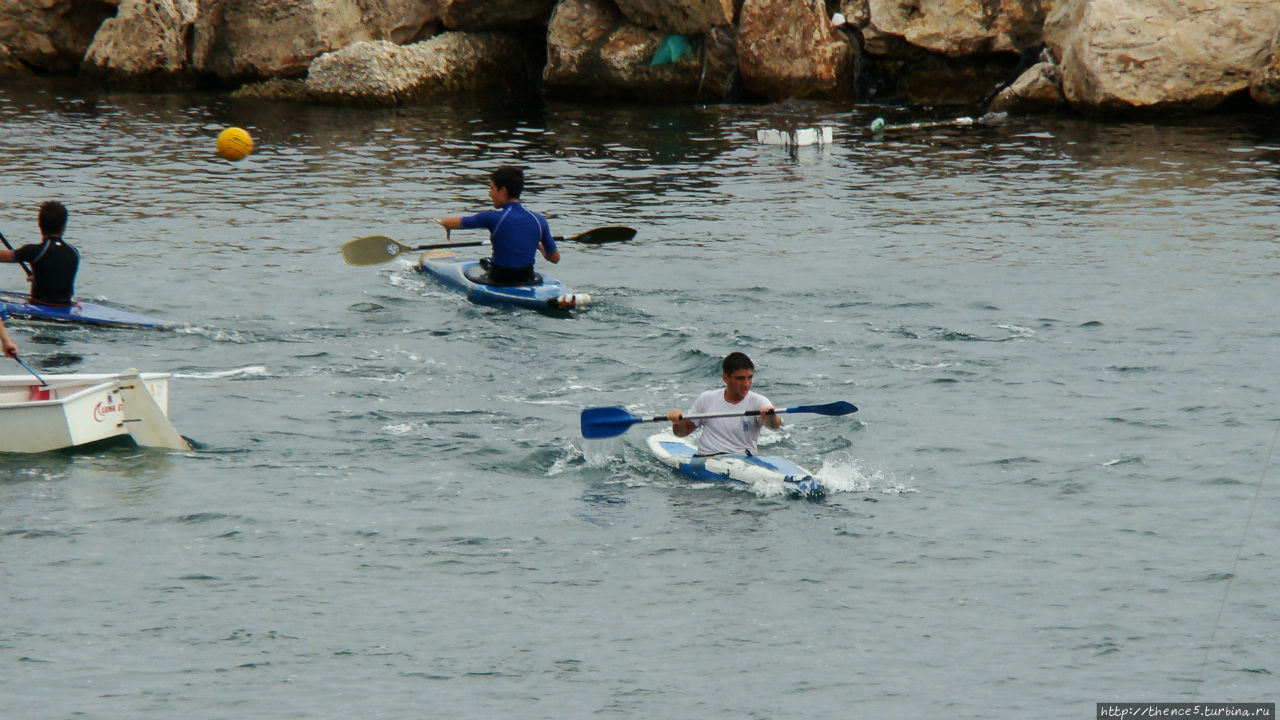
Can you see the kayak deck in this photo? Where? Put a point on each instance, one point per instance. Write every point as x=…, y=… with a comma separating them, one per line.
x=19, y=305
x=746, y=470
x=460, y=275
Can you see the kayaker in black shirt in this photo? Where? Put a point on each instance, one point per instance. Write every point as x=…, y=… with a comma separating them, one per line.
x=53, y=261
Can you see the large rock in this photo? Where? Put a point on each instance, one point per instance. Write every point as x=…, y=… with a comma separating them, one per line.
x=682, y=17
x=957, y=28
x=247, y=39
x=593, y=51
x=477, y=15
x=145, y=42
x=1037, y=90
x=51, y=35
x=383, y=73
x=1123, y=55
x=9, y=65
x=1264, y=81
x=789, y=49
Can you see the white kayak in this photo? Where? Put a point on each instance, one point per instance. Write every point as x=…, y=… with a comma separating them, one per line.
x=746, y=470
x=80, y=409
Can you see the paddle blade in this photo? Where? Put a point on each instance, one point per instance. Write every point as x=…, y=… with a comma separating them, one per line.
x=604, y=422
x=608, y=234
x=372, y=250
x=839, y=407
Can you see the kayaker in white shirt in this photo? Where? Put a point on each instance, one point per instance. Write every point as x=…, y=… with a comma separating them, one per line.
x=729, y=434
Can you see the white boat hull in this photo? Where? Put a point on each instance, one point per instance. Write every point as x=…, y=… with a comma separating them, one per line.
x=81, y=409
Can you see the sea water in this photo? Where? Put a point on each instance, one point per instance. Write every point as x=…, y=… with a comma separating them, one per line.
x=1060, y=488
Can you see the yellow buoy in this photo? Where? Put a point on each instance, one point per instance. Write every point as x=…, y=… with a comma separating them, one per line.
x=234, y=143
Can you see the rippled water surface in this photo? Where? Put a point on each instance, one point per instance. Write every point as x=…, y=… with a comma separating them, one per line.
x=1059, y=490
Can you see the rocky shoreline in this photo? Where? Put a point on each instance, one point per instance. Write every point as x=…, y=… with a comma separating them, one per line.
x=1028, y=56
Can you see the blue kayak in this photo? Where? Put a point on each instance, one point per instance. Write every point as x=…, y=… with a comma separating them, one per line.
x=470, y=279
x=733, y=469
x=19, y=305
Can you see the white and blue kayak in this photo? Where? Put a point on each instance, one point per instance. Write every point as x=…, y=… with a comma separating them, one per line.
x=19, y=305
x=750, y=471
x=470, y=279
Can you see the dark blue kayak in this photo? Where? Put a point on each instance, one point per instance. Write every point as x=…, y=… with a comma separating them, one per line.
x=470, y=279
x=19, y=305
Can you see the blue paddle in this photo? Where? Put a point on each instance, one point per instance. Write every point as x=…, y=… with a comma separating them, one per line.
x=603, y=422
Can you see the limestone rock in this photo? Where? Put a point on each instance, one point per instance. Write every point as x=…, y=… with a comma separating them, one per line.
x=51, y=35
x=789, y=49
x=593, y=51
x=245, y=39
x=1264, y=81
x=146, y=40
x=957, y=28
x=383, y=73
x=682, y=17
x=1037, y=90
x=1125, y=55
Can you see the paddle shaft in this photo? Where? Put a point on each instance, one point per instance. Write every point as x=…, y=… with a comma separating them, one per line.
x=704, y=416
x=612, y=421
x=378, y=249
x=28, y=367
x=26, y=268
x=468, y=243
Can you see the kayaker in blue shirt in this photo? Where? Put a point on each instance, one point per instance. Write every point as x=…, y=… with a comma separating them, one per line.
x=517, y=234
x=53, y=261
x=729, y=434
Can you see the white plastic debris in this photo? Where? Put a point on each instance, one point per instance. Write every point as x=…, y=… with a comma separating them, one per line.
x=796, y=138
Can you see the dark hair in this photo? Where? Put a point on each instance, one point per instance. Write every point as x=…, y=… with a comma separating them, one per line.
x=511, y=178
x=53, y=218
x=735, y=361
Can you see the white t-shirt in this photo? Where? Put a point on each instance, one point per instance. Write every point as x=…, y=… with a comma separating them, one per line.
x=728, y=434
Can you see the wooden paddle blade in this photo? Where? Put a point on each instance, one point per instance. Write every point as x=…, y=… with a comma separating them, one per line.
x=607, y=234
x=604, y=422
x=372, y=250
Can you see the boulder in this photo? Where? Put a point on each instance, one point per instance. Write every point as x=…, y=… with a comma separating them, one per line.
x=857, y=13
x=9, y=65
x=680, y=17
x=51, y=35
x=957, y=28
x=789, y=49
x=144, y=42
x=1151, y=55
x=1037, y=90
x=383, y=73
x=1264, y=80
x=477, y=15
x=594, y=51
x=247, y=39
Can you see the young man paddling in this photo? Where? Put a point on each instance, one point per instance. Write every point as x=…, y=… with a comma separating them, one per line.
x=53, y=261
x=729, y=434
x=515, y=233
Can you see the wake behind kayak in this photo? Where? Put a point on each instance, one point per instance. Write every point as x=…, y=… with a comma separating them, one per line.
x=19, y=305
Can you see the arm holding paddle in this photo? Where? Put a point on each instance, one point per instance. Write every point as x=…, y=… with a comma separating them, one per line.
x=10, y=347
x=682, y=427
